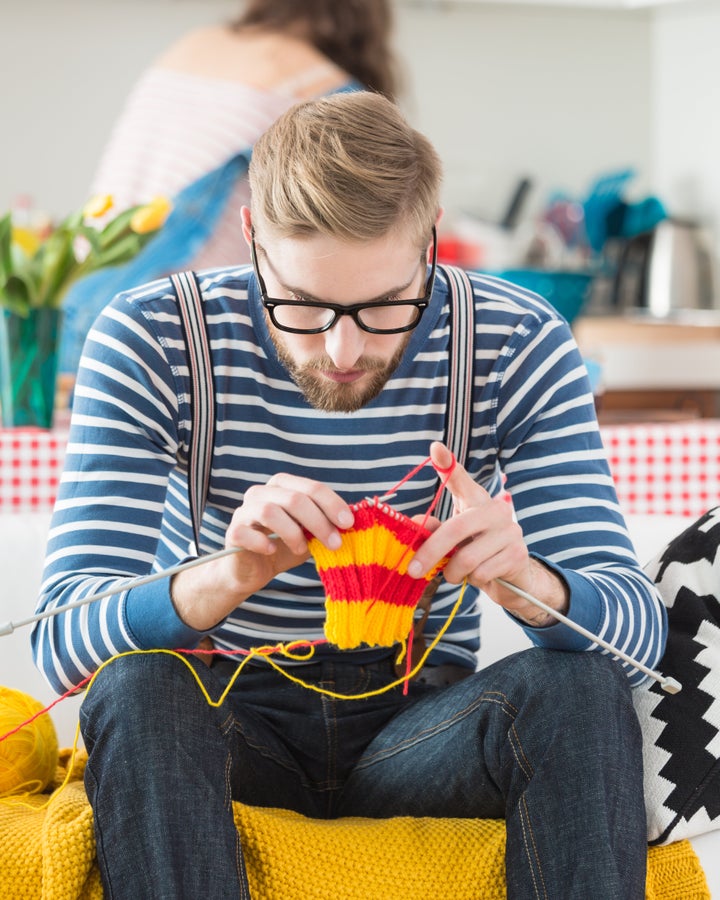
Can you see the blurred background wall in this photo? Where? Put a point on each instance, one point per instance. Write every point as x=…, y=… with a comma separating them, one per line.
x=504, y=90
x=557, y=92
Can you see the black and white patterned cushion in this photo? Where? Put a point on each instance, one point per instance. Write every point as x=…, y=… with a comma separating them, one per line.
x=682, y=731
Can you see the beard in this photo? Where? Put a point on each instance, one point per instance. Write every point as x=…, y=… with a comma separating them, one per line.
x=328, y=396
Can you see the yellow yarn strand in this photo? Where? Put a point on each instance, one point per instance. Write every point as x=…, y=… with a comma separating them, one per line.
x=386, y=687
x=290, y=651
x=18, y=793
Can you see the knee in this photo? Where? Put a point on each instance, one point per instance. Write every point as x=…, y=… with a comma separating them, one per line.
x=592, y=694
x=589, y=686
x=586, y=670
x=130, y=693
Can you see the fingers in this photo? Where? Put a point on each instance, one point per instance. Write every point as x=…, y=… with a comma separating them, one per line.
x=498, y=552
x=290, y=507
x=465, y=491
x=482, y=535
x=485, y=543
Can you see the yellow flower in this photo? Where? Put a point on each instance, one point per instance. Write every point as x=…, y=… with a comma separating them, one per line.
x=38, y=270
x=151, y=216
x=97, y=206
x=27, y=240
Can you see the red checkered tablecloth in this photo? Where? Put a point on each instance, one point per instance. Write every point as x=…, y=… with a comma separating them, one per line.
x=31, y=462
x=665, y=468
x=659, y=468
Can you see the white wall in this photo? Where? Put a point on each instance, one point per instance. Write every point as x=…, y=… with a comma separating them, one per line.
x=503, y=90
x=557, y=94
x=686, y=100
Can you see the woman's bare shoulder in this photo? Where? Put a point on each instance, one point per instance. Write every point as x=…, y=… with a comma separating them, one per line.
x=266, y=60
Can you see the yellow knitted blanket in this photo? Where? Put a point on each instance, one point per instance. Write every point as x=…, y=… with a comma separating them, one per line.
x=47, y=850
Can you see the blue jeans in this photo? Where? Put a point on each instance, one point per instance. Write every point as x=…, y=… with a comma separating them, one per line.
x=545, y=739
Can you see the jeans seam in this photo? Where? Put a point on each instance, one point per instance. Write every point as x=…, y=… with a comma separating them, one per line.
x=487, y=697
x=519, y=754
x=531, y=850
x=328, y=705
x=263, y=750
x=239, y=863
x=239, y=859
x=228, y=782
x=226, y=726
x=529, y=843
x=99, y=840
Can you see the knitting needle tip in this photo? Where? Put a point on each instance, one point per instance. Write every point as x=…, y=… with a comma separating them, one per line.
x=382, y=498
x=671, y=686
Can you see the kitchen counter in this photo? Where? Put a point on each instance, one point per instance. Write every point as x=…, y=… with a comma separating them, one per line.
x=655, y=365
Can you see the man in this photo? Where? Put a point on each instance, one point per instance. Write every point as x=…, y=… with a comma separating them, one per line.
x=330, y=363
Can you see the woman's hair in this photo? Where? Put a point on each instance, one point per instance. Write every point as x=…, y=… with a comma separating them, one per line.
x=354, y=34
x=347, y=165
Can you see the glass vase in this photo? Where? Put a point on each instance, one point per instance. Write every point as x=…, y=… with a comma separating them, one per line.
x=28, y=364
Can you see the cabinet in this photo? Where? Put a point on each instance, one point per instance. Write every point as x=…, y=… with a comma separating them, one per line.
x=654, y=369
x=617, y=406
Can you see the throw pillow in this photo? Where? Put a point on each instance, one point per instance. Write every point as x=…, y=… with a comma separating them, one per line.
x=682, y=731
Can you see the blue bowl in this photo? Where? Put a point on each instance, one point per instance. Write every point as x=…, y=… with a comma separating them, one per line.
x=568, y=292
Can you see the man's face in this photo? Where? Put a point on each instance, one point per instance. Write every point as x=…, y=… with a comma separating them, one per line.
x=342, y=369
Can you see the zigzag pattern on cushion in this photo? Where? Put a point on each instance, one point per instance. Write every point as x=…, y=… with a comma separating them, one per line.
x=682, y=732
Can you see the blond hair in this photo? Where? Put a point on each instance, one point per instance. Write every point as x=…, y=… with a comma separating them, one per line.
x=349, y=166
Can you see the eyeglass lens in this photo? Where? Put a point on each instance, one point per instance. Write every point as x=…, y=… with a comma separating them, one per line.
x=391, y=317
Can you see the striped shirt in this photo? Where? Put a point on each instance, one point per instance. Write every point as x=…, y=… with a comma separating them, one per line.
x=122, y=508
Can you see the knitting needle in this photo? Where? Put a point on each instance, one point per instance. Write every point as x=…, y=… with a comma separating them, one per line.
x=670, y=685
x=381, y=499
x=9, y=627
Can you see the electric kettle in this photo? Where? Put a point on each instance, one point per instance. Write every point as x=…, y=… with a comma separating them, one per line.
x=667, y=269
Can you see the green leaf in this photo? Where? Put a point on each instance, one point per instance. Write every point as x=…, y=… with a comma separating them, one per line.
x=113, y=230
x=92, y=236
x=72, y=222
x=15, y=295
x=120, y=252
x=57, y=260
x=5, y=244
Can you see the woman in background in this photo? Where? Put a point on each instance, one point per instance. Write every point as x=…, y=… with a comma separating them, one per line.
x=201, y=105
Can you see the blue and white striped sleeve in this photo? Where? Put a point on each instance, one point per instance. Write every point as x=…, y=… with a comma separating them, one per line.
x=558, y=477
x=106, y=523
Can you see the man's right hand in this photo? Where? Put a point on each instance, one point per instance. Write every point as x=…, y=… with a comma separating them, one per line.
x=270, y=528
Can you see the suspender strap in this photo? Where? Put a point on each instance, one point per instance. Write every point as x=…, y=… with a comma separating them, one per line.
x=461, y=357
x=202, y=394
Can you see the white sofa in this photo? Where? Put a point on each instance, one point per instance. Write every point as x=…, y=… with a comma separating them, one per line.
x=22, y=544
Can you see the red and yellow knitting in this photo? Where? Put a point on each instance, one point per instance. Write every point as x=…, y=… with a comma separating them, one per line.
x=370, y=598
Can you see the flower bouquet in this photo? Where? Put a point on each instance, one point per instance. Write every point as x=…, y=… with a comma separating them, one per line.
x=36, y=271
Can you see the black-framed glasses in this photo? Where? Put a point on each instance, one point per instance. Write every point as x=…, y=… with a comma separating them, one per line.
x=376, y=316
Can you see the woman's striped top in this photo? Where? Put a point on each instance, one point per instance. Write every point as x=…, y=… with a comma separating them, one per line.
x=122, y=507
x=196, y=124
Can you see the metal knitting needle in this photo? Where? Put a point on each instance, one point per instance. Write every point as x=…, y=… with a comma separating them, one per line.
x=670, y=685
x=9, y=627
x=130, y=584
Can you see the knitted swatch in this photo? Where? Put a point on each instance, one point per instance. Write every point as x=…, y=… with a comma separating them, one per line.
x=369, y=597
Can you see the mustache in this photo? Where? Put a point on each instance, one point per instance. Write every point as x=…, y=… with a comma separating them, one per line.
x=364, y=364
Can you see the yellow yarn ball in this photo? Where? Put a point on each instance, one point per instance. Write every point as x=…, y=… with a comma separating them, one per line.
x=28, y=758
